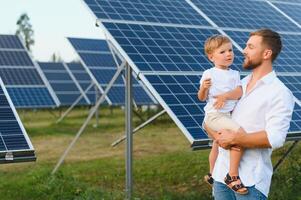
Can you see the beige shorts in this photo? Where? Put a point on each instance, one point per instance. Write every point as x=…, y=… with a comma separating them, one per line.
x=218, y=121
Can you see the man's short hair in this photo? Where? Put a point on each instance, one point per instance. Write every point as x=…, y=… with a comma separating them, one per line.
x=271, y=39
x=214, y=42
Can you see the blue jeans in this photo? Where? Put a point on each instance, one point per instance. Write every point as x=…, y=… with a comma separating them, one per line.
x=222, y=192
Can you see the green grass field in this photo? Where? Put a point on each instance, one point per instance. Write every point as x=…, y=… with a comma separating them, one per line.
x=164, y=165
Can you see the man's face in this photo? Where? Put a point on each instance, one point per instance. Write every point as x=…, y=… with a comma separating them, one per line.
x=253, y=53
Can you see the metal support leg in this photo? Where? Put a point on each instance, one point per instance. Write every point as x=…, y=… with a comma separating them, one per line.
x=92, y=111
x=129, y=141
x=285, y=155
x=74, y=104
x=139, y=127
x=97, y=95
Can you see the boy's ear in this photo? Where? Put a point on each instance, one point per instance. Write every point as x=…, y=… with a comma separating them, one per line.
x=210, y=57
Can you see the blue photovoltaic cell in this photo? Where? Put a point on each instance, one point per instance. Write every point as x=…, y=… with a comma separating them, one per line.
x=245, y=14
x=13, y=137
x=295, y=125
x=28, y=97
x=292, y=10
x=103, y=67
x=83, y=79
x=158, y=11
x=293, y=83
x=179, y=93
x=20, y=74
x=14, y=58
x=62, y=83
x=10, y=42
x=158, y=48
x=90, y=45
x=290, y=57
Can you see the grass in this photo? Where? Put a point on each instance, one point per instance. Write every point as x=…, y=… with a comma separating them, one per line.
x=164, y=166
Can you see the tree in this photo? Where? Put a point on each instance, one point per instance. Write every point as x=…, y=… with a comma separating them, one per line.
x=25, y=30
x=56, y=58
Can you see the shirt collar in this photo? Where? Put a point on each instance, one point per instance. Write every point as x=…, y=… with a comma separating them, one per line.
x=268, y=78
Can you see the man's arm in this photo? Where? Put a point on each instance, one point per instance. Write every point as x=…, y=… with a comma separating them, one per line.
x=229, y=138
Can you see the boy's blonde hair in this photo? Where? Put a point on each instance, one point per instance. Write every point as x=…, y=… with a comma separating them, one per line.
x=215, y=42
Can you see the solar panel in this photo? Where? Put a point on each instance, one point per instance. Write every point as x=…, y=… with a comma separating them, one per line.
x=15, y=145
x=245, y=14
x=65, y=87
x=293, y=10
x=169, y=57
x=293, y=83
x=156, y=11
x=101, y=67
x=83, y=79
x=178, y=96
x=22, y=77
x=295, y=126
x=159, y=48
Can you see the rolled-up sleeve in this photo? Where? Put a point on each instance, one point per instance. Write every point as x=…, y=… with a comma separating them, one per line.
x=278, y=118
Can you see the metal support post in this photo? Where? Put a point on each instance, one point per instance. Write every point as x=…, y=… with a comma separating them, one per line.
x=285, y=155
x=129, y=135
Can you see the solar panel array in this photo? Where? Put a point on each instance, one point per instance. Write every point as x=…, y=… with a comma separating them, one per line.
x=15, y=145
x=22, y=77
x=64, y=84
x=168, y=54
x=100, y=64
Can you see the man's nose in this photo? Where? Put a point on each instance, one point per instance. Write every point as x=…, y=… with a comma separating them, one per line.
x=244, y=52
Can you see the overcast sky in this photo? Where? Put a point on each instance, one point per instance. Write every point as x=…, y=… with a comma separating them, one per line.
x=52, y=21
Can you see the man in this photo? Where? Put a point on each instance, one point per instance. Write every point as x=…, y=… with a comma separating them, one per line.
x=264, y=112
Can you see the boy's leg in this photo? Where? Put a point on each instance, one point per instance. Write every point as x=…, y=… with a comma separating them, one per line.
x=213, y=155
x=235, y=156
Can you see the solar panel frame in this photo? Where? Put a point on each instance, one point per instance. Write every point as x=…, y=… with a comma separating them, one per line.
x=17, y=154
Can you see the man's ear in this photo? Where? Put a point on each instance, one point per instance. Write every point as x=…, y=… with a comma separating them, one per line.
x=267, y=53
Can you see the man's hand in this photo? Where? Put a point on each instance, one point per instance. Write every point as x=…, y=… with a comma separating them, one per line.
x=226, y=138
x=220, y=101
x=206, y=83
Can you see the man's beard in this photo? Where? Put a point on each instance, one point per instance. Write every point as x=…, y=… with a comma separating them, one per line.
x=249, y=65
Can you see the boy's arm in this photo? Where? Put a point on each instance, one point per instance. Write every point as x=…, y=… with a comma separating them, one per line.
x=204, y=89
x=231, y=95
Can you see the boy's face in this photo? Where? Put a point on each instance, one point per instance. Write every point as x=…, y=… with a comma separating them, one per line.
x=223, y=56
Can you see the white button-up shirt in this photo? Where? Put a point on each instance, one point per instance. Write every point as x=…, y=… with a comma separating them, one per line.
x=268, y=106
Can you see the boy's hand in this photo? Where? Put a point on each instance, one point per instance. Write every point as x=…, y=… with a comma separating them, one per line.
x=220, y=101
x=206, y=83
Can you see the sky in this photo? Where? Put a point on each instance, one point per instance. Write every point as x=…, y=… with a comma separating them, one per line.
x=52, y=21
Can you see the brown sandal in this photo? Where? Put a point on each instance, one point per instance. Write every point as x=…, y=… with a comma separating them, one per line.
x=233, y=184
